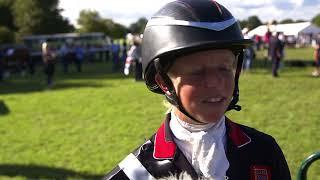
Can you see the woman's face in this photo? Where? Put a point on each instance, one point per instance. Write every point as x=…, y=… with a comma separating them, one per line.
x=204, y=82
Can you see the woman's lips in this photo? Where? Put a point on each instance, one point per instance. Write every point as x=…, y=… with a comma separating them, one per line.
x=214, y=100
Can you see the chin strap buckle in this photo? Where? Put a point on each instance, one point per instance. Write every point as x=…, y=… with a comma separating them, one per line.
x=237, y=107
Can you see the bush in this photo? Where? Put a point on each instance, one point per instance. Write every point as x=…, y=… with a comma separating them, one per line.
x=6, y=36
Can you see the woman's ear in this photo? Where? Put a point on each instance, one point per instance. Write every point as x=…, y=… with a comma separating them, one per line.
x=162, y=84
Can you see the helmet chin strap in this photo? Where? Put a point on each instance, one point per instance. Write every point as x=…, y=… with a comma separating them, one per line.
x=235, y=97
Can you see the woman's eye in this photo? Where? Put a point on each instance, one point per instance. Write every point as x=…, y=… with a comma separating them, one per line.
x=225, y=68
x=196, y=72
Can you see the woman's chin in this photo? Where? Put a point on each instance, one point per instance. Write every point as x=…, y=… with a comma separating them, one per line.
x=210, y=118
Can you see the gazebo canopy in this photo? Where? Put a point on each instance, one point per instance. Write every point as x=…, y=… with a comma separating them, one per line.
x=293, y=29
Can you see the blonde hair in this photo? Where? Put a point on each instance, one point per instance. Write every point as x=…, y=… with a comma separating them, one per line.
x=167, y=105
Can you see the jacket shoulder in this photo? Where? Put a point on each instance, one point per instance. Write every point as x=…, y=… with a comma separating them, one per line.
x=256, y=135
x=133, y=163
x=142, y=163
x=263, y=149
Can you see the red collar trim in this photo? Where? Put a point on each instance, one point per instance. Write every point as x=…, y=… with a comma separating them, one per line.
x=164, y=147
x=238, y=137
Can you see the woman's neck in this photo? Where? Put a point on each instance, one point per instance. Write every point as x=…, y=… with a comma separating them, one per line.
x=180, y=115
x=190, y=124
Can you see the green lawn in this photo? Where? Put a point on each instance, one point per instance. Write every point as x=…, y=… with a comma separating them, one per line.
x=88, y=122
x=299, y=54
x=292, y=54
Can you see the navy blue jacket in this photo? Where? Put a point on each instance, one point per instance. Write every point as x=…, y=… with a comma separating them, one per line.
x=252, y=155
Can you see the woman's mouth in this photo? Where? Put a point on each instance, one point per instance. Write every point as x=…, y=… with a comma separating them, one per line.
x=214, y=100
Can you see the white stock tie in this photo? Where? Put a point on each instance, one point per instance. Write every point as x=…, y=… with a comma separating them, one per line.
x=207, y=155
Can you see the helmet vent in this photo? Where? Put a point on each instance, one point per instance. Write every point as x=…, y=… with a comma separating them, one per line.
x=217, y=5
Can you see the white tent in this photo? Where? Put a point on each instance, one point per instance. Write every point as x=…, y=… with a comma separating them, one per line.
x=293, y=29
x=312, y=29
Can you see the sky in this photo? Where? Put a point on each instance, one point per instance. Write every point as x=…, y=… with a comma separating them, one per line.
x=129, y=11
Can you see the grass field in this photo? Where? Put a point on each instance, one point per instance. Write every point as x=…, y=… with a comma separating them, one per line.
x=293, y=54
x=86, y=123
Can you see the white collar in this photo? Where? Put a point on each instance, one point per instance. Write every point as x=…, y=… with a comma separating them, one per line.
x=203, y=146
x=197, y=127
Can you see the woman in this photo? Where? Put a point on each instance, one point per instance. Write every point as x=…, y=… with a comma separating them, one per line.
x=192, y=54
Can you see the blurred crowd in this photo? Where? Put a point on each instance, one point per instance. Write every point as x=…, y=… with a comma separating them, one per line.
x=274, y=44
x=125, y=56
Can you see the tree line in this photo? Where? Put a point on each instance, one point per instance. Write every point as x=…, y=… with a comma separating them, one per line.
x=91, y=21
x=27, y=17
x=19, y=18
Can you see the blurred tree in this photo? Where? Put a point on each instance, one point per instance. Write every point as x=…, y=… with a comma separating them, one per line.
x=138, y=27
x=118, y=31
x=300, y=20
x=39, y=17
x=286, y=21
x=243, y=23
x=316, y=20
x=6, y=14
x=253, y=22
x=6, y=35
x=90, y=21
x=49, y=5
x=274, y=22
x=52, y=22
x=27, y=17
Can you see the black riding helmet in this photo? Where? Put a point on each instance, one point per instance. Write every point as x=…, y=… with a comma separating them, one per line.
x=186, y=26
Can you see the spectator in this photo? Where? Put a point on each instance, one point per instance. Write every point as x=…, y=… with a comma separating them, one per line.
x=115, y=50
x=48, y=57
x=64, y=50
x=283, y=40
x=79, y=56
x=249, y=55
x=258, y=42
x=276, y=48
x=267, y=37
x=123, y=54
x=90, y=52
x=134, y=56
x=316, y=72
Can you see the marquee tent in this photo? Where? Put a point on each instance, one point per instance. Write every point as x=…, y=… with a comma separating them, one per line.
x=293, y=29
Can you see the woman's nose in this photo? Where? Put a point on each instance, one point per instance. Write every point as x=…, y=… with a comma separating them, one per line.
x=212, y=79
